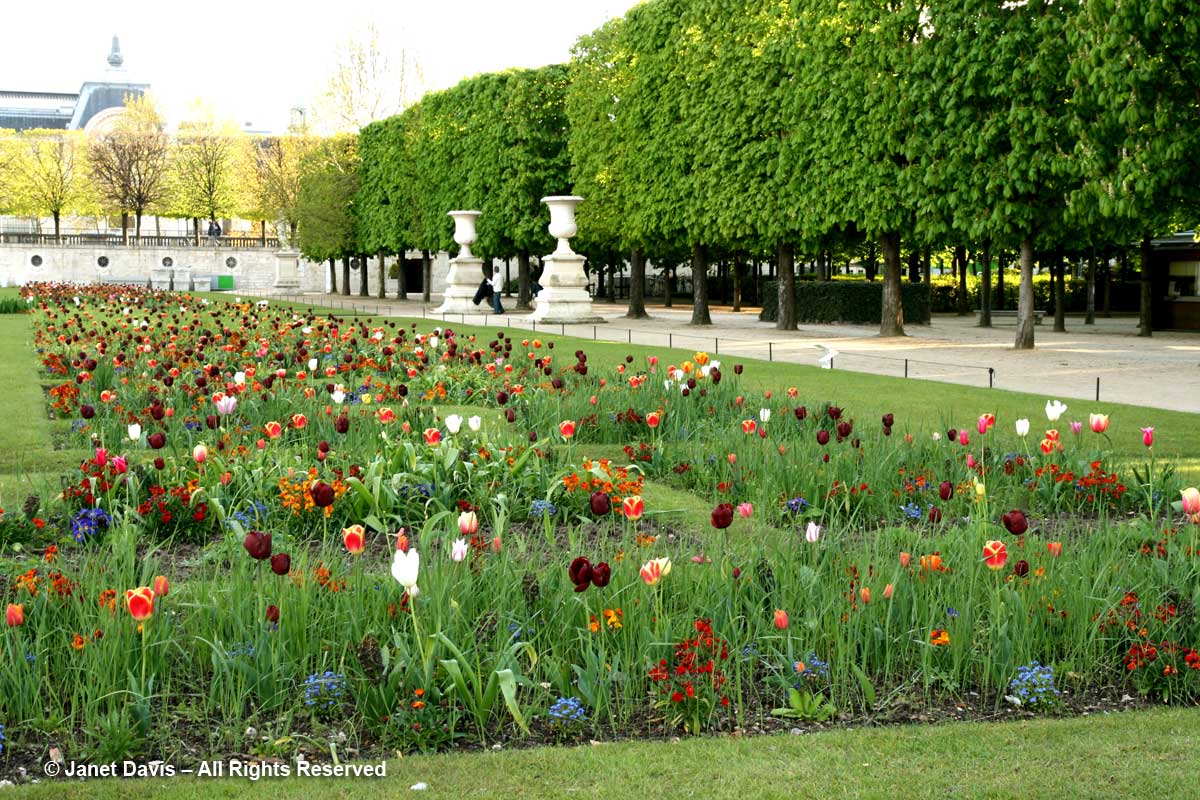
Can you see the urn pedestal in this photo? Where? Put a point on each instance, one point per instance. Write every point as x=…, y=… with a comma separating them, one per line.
x=466, y=271
x=287, y=270
x=564, y=298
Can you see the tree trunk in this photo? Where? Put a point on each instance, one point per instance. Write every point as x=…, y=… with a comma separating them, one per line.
x=785, y=319
x=914, y=266
x=1058, y=270
x=57, y=227
x=700, y=315
x=927, y=265
x=600, y=270
x=872, y=264
x=364, y=272
x=124, y=227
x=196, y=230
x=426, y=276
x=507, y=275
x=262, y=236
x=1024, y=339
x=346, y=275
x=1001, y=264
x=1144, y=313
x=891, y=322
x=637, y=285
x=1107, y=289
x=985, y=288
x=524, y=282
x=382, y=292
x=961, y=304
x=401, y=277
x=667, y=293
x=332, y=276
x=1091, y=290
x=735, y=265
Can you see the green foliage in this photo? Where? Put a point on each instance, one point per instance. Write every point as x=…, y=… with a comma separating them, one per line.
x=325, y=202
x=850, y=301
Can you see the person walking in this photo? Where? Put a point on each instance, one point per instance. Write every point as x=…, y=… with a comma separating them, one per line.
x=497, y=289
x=214, y=233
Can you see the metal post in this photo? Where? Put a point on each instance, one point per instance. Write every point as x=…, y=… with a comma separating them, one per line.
x=716, y=346
x=562, y=330
x=1097, y=388
x=906, y=367
x=991, y=376
x=593, y=333
x=670, y=340
x=630, y=332
x=770, y=351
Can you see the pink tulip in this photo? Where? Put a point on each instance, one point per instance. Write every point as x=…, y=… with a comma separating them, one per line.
x=1076, y=427
x=199, y=454
x=963, y=438
x=1148, y=437
x=746, y=510
x=119, y=464
x=101, y=456
x=970, y=460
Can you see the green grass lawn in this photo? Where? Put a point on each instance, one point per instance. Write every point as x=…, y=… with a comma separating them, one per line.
x=1132, y=754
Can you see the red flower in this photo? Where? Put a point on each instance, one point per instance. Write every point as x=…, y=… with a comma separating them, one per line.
x=281, y=563
x=258, y=544
x=273, y=614
x=722, y=516
x=601, y=573
x=995, y=554
x=322, y=494
x=601, y=504
x=1015, y=522
x=580, y=573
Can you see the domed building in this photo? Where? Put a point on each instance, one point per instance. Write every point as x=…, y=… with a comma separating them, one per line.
x=93, y=109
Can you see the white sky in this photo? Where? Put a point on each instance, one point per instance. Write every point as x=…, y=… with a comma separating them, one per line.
x=254, y=59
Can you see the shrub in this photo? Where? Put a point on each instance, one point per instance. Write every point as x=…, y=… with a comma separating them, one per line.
x=852, y=301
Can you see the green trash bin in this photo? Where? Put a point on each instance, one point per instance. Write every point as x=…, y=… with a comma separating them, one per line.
x=222, y=283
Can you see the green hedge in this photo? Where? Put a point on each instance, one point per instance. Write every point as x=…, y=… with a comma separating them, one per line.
x=945, y=287
x=853, y=301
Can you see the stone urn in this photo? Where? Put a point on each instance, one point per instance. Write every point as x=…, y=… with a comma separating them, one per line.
x=464, y=230
x=562, y=220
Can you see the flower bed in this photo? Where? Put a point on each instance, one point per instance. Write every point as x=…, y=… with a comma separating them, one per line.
x=295, y=527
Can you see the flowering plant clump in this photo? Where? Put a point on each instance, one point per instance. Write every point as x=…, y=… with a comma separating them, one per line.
x=89, y=522
x=1033, y=686
x=567, y=711
x=324, y=690
x=691, y=684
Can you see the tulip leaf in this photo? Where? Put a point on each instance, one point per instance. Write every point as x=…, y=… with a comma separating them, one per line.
x=508, y=686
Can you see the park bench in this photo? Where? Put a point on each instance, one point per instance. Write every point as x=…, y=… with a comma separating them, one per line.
x=1004, y=315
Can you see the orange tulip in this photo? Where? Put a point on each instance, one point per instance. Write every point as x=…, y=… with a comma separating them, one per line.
x=273, y=429
x=632, y=507
x=905, y=560
x=939, y=637
x=14, y=615
x=865, y=594
x=1054, y=548
x=161, y=586
x=887, y=591
x=354, y=538
x=140, y=602
x=995, y=554
x=781, y=618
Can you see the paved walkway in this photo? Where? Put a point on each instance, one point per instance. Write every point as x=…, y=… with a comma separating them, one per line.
x=1158, y=372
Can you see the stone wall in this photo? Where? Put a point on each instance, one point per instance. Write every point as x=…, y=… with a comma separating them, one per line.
x=253, y=269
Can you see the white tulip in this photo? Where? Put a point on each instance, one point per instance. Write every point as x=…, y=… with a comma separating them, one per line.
x=239, y=378
x=1022, y=427
x=474, y=423
x=405, y=567
x=135, y=432
x=812, y=533
x=458, y=550
x=1054, y=410
x=454, y=423
x=312, y=364
x=764, y=415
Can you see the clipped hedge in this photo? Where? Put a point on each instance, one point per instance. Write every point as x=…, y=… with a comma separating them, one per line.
x=1125, y=296
x=850, y=301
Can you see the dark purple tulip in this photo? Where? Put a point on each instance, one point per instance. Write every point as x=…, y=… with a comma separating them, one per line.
x=1021, y=568
x=322, y=494
x=722, y=516
x=601, y=504
x=157, y=440
x=281, y=563
x=258, y=545
x=822, y=437
x=580, y=573
x=341, y=424
x=273, y=614
x=1015, y=522
x=801, y=412
x=87, y=412
x=946, y=490
x=835, y=412
x=888, y=420
x=935, y=514
x=601, y=573
x=211, y=422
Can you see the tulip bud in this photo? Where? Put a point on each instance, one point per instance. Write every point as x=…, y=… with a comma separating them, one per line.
x=281, y=563
x=781, y=619
x=601, y=504
x=161, y=586
x=946, y=491
x=273, y=614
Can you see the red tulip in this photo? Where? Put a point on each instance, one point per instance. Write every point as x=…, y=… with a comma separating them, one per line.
x=632, y=507
x=354, y=538
x=258, y=545
x=432, y=436
x=946, y=491
x=14, y=615
x=273, y=614
x=273, y=429
x=161, y=586
x=1148, y=437
x=1015, y=522
x=567, y=428
x=140, y=602
x=722, y=516
x=653, y=419
x=995, y=554
x=281, y=563
x=781, y=619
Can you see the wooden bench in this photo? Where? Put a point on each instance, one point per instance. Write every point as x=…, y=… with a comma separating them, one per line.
x=999, y=315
